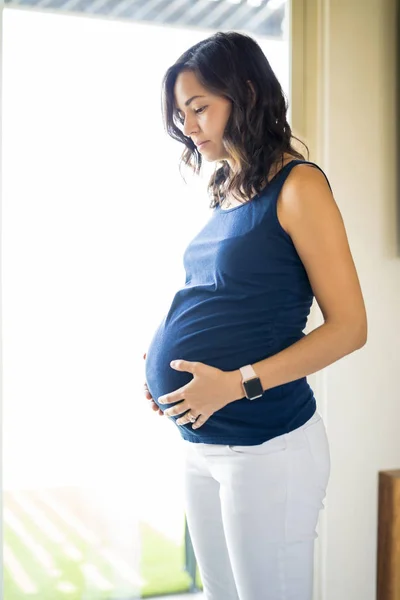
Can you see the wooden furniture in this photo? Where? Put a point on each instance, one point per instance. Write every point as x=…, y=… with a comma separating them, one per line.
x=388, y=576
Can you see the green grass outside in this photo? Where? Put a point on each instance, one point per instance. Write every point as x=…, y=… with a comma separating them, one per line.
x=161, y=568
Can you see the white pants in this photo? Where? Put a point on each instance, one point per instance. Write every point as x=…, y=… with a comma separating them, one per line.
x=252, y=513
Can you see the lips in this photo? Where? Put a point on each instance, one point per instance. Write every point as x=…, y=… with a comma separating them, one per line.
x=202, y=143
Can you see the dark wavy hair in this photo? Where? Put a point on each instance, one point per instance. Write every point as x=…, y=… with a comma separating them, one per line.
x=257, y=133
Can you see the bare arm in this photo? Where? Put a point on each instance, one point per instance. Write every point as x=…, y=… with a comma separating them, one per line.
x=310, y=215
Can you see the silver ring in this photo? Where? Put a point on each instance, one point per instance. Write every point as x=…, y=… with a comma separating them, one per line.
x=192, y=418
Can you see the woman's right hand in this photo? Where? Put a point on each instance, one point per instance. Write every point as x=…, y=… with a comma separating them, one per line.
x=149, y=397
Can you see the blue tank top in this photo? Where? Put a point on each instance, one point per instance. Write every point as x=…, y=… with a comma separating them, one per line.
x=246, y=297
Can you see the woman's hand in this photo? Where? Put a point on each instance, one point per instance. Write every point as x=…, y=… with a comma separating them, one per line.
x=149, y=396
x=210, y=390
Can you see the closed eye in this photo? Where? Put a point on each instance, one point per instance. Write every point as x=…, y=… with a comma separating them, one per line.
x=198, y=111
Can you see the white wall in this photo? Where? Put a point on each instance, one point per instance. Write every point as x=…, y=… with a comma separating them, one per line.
x=347, y=112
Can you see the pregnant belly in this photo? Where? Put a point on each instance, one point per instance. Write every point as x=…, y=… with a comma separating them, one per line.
x=166, y=346
x=219, y=346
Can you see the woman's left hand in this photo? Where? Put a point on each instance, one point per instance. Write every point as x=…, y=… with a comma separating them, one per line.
x=210, y=390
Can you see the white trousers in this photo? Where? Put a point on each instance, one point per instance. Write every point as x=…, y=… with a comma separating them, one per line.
x=252, y=513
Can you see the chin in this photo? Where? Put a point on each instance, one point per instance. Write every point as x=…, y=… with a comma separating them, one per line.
x=211, y=156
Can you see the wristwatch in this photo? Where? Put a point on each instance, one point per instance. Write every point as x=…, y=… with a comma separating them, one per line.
x=251, y=383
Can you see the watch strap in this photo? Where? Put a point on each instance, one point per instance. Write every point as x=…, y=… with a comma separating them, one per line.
x=248, y=372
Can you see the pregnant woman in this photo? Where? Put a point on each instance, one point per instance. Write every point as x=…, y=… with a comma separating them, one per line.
x=229, y=362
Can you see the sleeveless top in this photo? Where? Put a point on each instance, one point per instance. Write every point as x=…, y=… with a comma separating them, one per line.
x=246, y=297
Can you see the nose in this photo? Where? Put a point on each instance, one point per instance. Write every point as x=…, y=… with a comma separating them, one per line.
x=190, y=126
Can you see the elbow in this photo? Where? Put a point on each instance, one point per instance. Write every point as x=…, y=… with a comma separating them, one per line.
x=352, y=334
x=361, y=335
x=362, y=340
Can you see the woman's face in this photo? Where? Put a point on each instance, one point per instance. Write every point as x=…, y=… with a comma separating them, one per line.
x=203, y=114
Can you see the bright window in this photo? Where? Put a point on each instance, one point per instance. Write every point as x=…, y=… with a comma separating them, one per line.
x=95, y=221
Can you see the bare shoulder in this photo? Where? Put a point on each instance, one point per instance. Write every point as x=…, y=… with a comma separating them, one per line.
x=305, y=176
x=305, y=195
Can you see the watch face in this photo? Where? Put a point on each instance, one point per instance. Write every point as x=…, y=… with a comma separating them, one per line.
x=253, y=388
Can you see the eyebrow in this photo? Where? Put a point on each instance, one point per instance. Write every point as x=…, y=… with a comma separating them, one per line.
x=189, y=101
